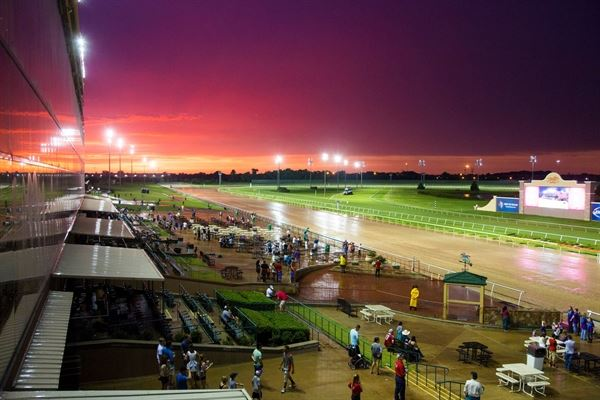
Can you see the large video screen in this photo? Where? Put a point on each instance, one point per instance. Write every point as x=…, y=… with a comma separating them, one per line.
x=564, y=198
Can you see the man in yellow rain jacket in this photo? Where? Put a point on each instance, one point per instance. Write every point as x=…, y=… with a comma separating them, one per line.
x=414, y=297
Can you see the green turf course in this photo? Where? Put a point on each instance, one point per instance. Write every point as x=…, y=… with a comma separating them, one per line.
x=169, y=199
x=445, y=207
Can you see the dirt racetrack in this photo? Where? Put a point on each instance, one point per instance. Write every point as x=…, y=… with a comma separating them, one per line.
x=550, y=278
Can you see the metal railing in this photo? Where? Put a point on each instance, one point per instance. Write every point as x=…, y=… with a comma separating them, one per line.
x=410, y=264
x=536, y=238
x=449, y=385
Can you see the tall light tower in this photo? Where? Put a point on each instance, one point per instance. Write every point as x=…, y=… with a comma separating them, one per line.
x=532, y=160
x=120, y=144
x=325, y=158
x=557, y=166
x=345, y=165
x=310, y=163
x=109, y=136
x=131, y=153
x=337, y=159
x=422, y=165
x=278, y=160
x=478, y=164
x=144, y=162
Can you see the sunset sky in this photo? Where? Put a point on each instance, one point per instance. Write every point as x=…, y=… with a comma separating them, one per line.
x=221, y=85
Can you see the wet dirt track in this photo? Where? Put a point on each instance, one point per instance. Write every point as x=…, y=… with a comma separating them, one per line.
x=549, y=278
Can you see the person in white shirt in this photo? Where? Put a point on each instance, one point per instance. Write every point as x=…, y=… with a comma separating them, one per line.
x=159, y=349
x=473, y=388
x=270, y=292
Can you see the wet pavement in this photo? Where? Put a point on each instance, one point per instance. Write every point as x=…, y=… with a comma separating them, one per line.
x=550, y=278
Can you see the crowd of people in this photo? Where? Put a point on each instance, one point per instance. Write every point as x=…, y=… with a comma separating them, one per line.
x=193, y=366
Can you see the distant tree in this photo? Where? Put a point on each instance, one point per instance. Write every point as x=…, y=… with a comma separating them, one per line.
x=254, y=171
x=233, y=173
x=474, y=186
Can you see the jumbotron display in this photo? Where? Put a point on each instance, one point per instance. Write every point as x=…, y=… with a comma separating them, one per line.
x=560, y=197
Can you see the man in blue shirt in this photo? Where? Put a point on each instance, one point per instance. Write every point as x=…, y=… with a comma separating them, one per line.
x=353, y=343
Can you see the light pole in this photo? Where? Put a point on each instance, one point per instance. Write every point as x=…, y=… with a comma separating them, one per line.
x=310, y=163
x=337, y=159
x=345, y=174
x=131, y=153
x=278, y=160
x=144, y=162
x=220, y=173
x=120, y=144
x=422, y=165
x=557, y=165
x=324, y=158
x=153, y=165
x=479, y=165
x=532, y=160
x=109, y=135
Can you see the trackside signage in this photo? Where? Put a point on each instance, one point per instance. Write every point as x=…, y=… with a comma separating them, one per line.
x=507, y=204
x=595, y=212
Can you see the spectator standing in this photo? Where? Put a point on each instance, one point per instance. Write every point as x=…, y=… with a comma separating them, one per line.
x=353, y=342
x=590, y=329
x=257, y=358
x=378, y=268
x=569, y=352
x=505, y=318
x=163, y=375
x=583, y=328
x=256, y=386
x=355, y=387
x=399, y=330
x=193, y=366
x=376, y=353
x=400, y=370
x=576, y=321
x=204, y=366
x=343, y=262
x=414, y=297
x=282, y=297
x=389, y=339
x=551, y=346
x=159, y=349
x=182, y=378
x=223, y=383
x=473, y=388
x=287, y=367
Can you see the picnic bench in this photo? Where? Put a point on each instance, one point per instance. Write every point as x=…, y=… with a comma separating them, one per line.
x=506, y=380
x=346, y=307
x=537, y=387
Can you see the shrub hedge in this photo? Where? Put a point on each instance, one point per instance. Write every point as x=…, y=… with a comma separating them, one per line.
x=273, y=328
x=245, y=299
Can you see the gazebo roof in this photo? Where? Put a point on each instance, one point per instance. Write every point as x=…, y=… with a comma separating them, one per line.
x=465, y=278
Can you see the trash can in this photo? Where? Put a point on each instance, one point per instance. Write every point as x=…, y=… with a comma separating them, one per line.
x=535, y=356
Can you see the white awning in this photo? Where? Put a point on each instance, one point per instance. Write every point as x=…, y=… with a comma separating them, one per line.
x=207, y=394
x=105, y=262
x=43, y=360
x=98, y=205
x=101, y=227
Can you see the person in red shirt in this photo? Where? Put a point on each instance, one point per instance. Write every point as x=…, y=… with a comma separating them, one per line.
x=378, y=268
x=389, y=339
x=400, y=389
x=282, y=297
x=355, y=387
x=552, y=351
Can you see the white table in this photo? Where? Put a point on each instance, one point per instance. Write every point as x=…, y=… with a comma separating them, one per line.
x=380, y=313
x=526, y=374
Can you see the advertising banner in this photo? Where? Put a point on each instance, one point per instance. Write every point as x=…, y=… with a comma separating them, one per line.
x=507, y=204
x=595, y=209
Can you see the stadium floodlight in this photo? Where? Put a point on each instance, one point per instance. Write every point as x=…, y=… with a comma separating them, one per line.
x=309, y=163
x=337, y=158
x=532, y=160
x=120, y=144
x=109, y=133
x=278, y=160
x=131, y=153
x=325, y=157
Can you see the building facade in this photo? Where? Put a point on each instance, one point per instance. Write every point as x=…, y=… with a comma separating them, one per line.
x=41, y=159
